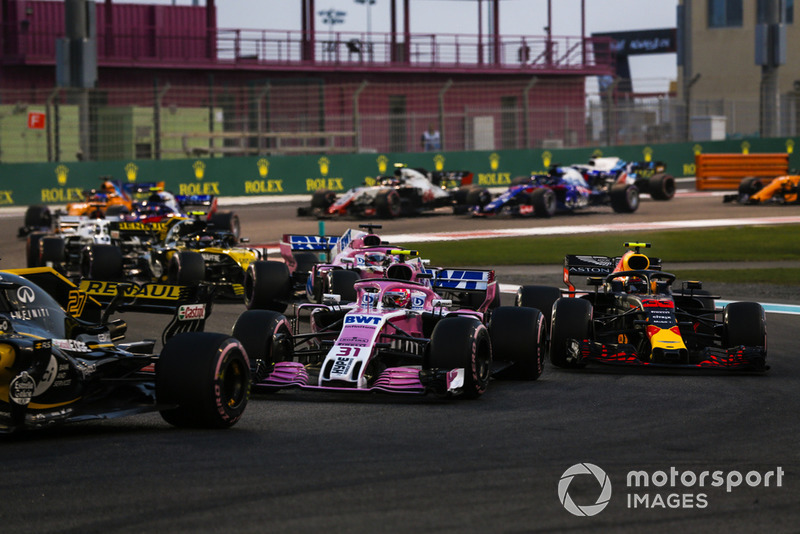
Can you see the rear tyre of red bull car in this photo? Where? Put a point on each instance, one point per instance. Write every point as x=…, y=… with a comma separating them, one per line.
x=202, y=380
x=462, y=343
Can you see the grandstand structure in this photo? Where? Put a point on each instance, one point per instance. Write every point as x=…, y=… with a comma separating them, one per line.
x=171, y=84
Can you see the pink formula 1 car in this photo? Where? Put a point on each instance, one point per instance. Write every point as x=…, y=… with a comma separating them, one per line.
x=315, y=265
x=398, y=336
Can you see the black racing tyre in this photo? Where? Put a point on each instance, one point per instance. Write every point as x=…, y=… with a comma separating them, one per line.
x=519, y=335
x=572, y=319
x=388, y=204
x=323, y=199
x=341, y=283
x=226, y=221
x=744, y=323
x=186, y=268
x=463, y=342
x=305, y=261
x=748, y=187
x=624, y=198
x=38, y=217
x=53, y=250
x=102, y=262
x=267, y=338
x=478, y=196
x=540, y=297
x=267, y=286
x=544, y=202
x=202, y=380
x=661, y=186
x=32, y=251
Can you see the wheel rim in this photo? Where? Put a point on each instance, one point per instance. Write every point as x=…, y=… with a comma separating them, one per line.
x=233, y=384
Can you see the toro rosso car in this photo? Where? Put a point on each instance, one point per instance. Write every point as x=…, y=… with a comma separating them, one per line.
x=316, y=265
x=563, y=189
x=398, y=336
x=407, y=192
x=634, y=317
x=780, y=190
x=61, y=359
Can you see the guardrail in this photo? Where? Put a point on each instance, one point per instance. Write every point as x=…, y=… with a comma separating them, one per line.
x=725, y=171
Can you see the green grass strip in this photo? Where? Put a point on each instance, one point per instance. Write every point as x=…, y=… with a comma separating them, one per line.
x=740, y=243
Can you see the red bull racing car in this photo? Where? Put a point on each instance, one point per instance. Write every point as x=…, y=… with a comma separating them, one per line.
x=631, y=315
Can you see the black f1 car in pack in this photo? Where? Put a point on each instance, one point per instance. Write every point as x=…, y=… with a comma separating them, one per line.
x=62, y=360
x=631, y=315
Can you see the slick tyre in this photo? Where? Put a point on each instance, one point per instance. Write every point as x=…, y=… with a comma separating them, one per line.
x=226, y=221
x=202, y=380
x=33, y=253
x=267, y=286
x=53, y=251
x=463, y=342
x=518, y=335
x=102, y=262
x=624, y=198
x=544, y=202
x=661, y=186
x=744, y=323
x=572, y=319
x=267, y=339
x=320, y=202
x=341, y=281
x=38, y=217
x=186, y=268
x=540, y=297
x=388, y=204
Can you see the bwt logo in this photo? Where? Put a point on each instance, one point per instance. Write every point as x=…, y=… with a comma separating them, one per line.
x=602, y=500
x=361, y=319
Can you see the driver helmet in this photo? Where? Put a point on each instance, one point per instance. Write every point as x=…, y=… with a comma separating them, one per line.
x=397, y=298
x=374, y=259
x=636, y=285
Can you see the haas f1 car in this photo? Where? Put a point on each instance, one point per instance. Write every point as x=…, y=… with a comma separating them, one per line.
x=408, y=192
x=61, y=359
x=634, y=317
x=399, y=337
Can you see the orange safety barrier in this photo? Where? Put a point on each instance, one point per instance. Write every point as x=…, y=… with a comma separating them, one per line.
x=725, y=171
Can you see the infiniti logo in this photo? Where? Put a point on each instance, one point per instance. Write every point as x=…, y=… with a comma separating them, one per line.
x=25, y=294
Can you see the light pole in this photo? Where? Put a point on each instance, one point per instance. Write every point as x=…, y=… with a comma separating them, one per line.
x=331, y=17
x=369, y=16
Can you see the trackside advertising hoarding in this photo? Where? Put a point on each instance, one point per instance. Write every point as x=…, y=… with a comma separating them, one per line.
x=58, y=183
